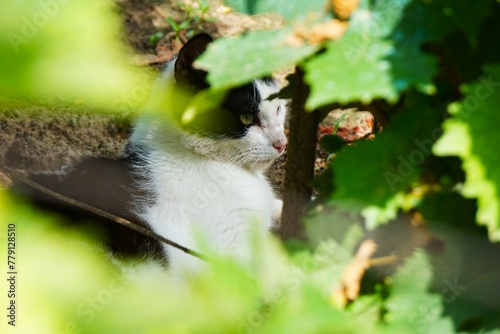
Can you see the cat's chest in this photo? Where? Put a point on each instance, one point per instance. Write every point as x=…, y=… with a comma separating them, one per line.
x=214, y=188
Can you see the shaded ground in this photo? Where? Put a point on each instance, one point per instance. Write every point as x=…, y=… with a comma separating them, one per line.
x=40, y=139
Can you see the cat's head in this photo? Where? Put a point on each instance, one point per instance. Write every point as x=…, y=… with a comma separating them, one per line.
x=248, y=124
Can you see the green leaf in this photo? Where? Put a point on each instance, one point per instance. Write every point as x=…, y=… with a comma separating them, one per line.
x=183, y=25
x=298, y=9
x=155, y=38
x=333, y=222
x=380, y=55
x=432, y=20
x=414, y=276
x=235, y=61
x=487, y=48
x=470, y=135
x=337, y=124
x=335, y=76
x=467, y=16
x=462, y=215
x=370, y=61
x=409, y=303
x=366, y=308
x=196, y=113
x=206, y=101
x=311, y=312
x=172, y=23
x=69, y=49
x=373, y=176
x=332, y=143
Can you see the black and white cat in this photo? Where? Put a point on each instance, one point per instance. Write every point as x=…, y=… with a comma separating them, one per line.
x=208, y=182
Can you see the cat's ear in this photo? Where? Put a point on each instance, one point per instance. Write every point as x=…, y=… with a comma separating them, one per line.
x=184, y=72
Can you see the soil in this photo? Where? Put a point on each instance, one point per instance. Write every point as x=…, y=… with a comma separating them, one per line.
x=45, y=139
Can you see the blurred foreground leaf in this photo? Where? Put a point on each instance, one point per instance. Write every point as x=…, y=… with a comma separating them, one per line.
x=68, y=283
x=235, y=61
x=58, y=272
x=470, y=135
x=368, y=63
x=298, y=9
x=67, y=49
x=387, y=167
x=410, y=305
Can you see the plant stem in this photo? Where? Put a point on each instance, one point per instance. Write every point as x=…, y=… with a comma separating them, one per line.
x=301, y=155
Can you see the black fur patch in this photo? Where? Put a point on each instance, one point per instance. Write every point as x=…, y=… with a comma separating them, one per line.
x=240, y=101
x=184, y=72
x=222, y=122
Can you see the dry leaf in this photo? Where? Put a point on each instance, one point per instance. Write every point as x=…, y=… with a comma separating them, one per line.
x=223, y=9
x=343, y=9
x=317, y=33
x=351, y=278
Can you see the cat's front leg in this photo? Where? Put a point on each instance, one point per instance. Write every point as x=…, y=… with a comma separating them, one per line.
x=277, y=210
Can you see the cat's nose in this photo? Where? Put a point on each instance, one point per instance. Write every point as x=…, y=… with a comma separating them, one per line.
x=280, y=145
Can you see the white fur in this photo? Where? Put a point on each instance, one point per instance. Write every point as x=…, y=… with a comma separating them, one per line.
x=213, y=188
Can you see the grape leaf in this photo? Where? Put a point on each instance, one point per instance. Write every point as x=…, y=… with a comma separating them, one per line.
x=433, y=20
x=336, y=76
x=67, y=49
x=409, y=303
x=389, y=165
x=372, y=60
x=487, y=48
x=414, y=276
x=470, y=135
x=234, y=61
x=467, y=16
x=297, y=9
x=462, y=215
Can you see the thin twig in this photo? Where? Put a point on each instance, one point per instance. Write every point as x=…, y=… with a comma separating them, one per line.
x=382, y=261
x=107, y=215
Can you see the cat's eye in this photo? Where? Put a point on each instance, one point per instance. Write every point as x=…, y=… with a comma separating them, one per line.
x=278, y=110
x=247, y=119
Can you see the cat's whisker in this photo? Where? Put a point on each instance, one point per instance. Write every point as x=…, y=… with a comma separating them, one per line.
x=239, y=157
x=245, y=160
